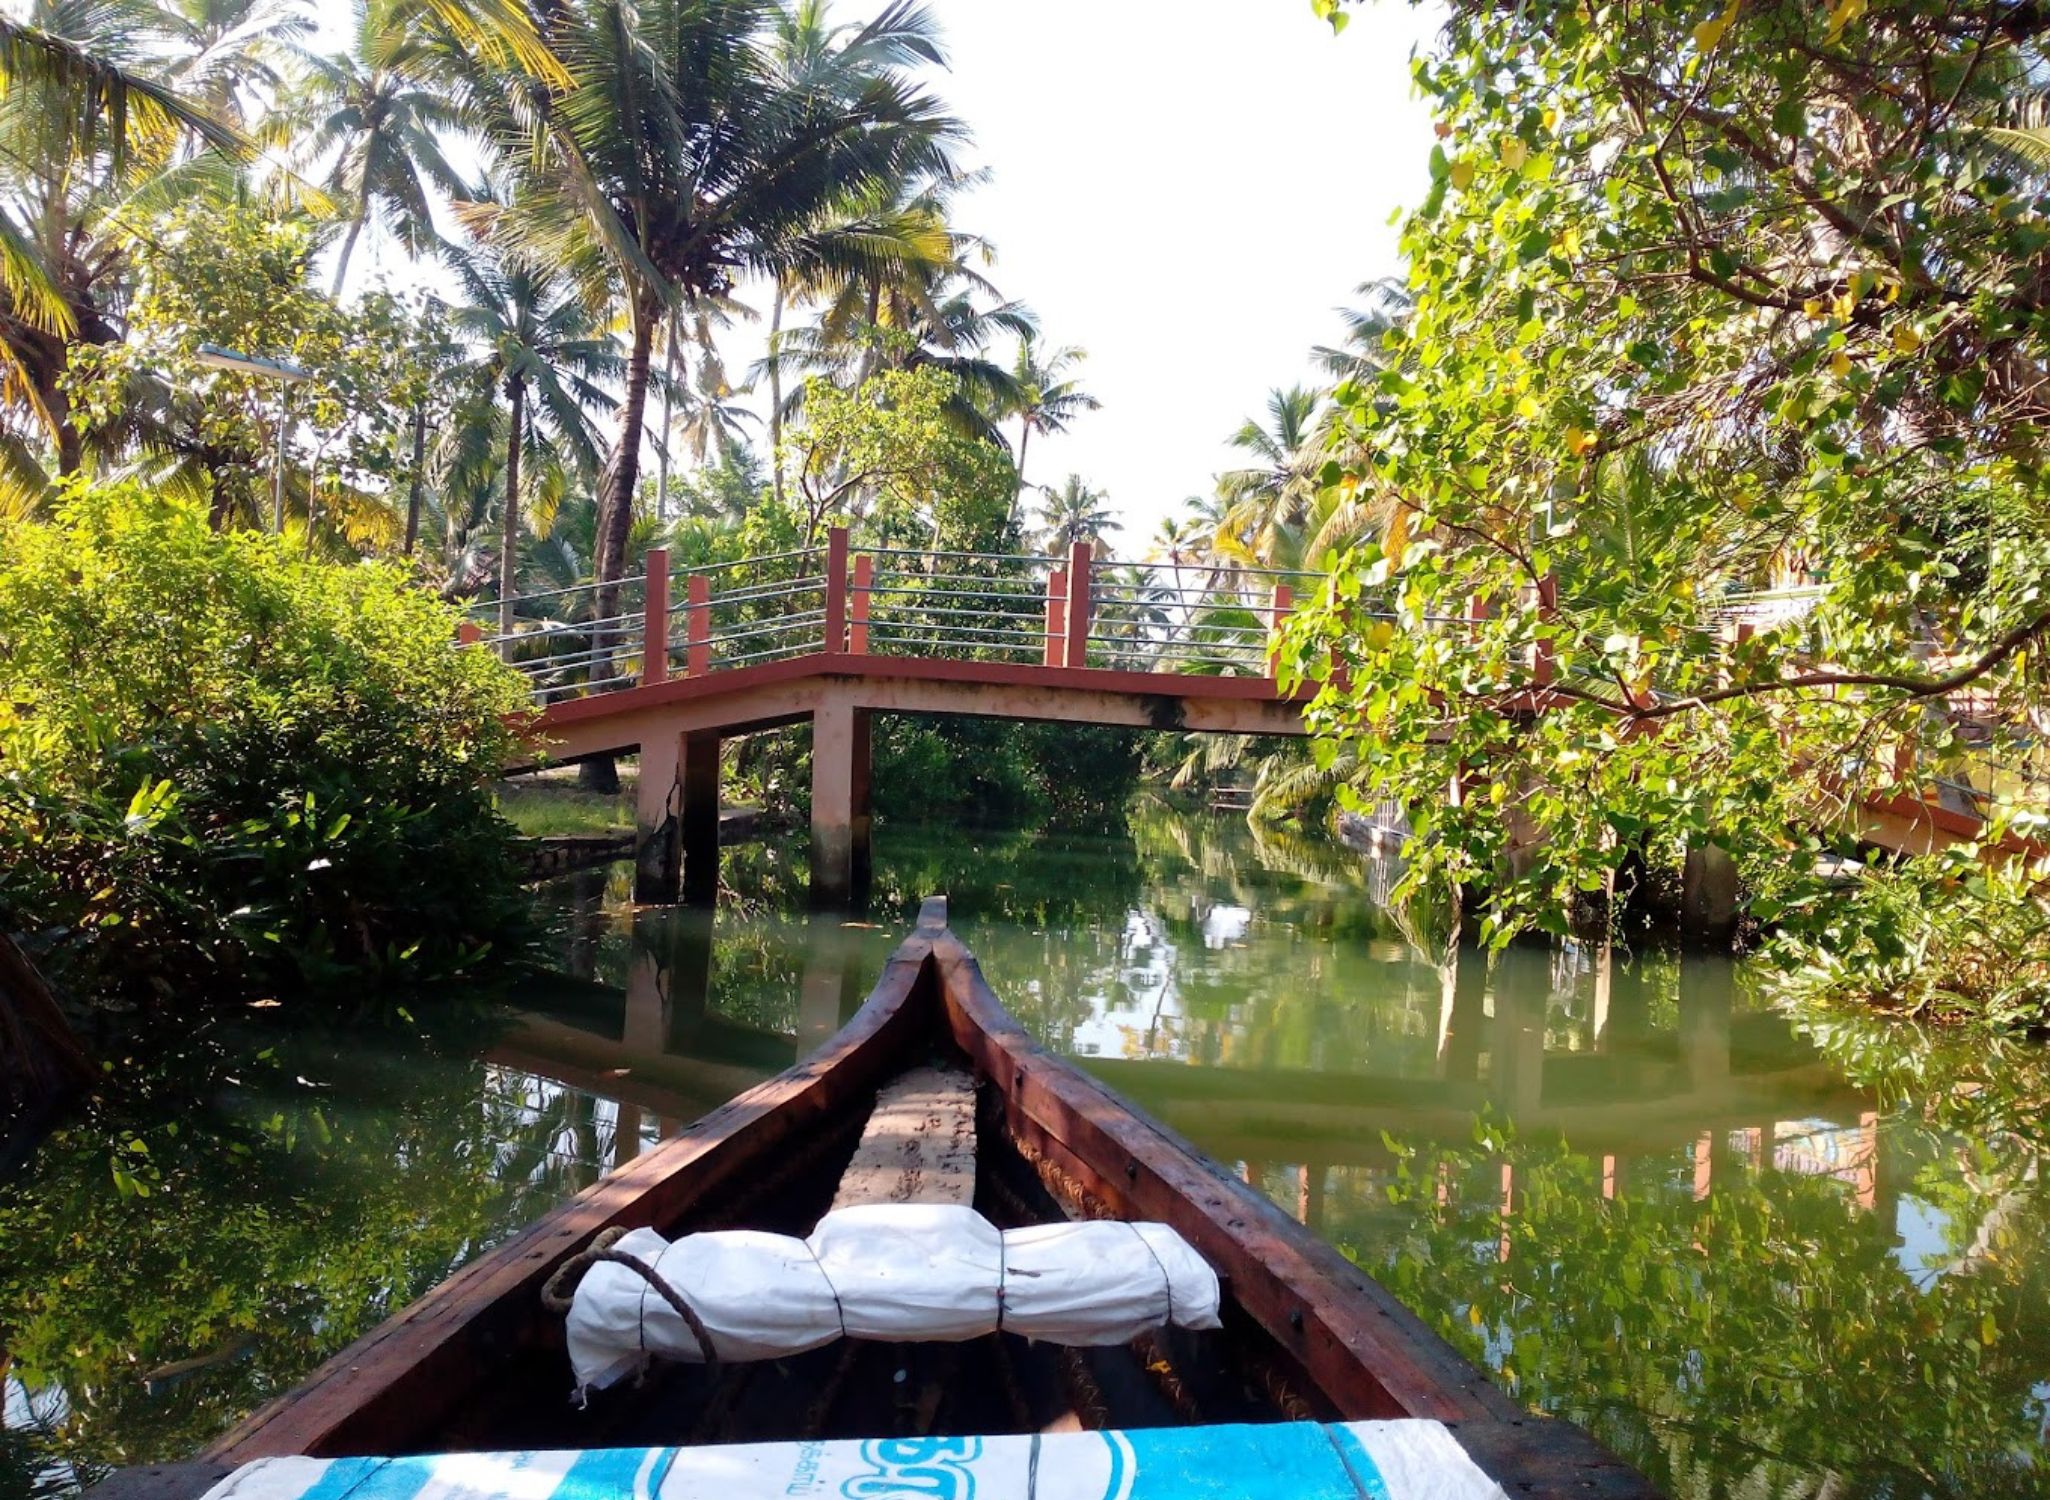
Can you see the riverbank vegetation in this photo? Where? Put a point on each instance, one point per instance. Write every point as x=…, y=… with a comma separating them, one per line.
x=233, y=772
x=1707, y=301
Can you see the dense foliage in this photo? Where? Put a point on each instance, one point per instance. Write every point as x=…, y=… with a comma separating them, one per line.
x=232, y=276
x=1707, y=299
x=225, y=768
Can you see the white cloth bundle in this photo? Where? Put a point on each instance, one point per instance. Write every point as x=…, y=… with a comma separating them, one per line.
x=896, y=1272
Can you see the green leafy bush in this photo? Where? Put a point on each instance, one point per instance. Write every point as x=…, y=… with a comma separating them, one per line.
x=223, y=766
x=1941, y=937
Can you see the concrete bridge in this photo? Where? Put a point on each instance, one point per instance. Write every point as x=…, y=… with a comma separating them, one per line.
x=829, y=639
x=822, y=636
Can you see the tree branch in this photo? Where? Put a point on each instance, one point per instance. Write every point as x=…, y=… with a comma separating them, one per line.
x=1909, y=687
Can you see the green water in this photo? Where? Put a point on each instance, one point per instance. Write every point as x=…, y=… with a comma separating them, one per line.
x=1759, y=1256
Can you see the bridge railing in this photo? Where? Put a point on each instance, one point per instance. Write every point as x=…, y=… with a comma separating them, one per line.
x=739, y=614
x=1073, y=610
x=930, y=603
x=561, y=643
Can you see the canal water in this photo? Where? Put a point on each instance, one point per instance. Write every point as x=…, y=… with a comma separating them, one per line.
x=1760, y=1255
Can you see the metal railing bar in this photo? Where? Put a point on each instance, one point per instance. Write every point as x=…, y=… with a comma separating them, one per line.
x=918, y=589
x=1025, y=648
x=575, y=628
x=1010, y=557
x=746, y=562
x=519, y=599
x=544, y=664
x=783, y=626
x=966, y=614
x=800, y=648
x=781, y=589
x=922, y=583
x=552, y=689
x=901, y=630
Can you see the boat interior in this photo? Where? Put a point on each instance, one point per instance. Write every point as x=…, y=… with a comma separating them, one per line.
x=999, y=1383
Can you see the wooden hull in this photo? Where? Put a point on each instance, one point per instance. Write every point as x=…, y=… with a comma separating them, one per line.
x=1331, y=1343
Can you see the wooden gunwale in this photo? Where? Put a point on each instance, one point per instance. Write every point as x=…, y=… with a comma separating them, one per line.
x=1369, y=1355
x=408, y=1372
x=1362, y=1351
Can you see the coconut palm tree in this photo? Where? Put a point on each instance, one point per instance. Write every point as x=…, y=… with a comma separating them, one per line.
x=1075, y=513
x=234, y=52
x=919, y=316
x=539, y=341
x=1268, y=503
x=382, y=109
x=1363, y=354
x=693, y=157
x=1047, y=399
x=89, y=131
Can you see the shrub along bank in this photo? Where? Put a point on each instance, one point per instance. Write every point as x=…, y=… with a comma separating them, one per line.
x=226, y=769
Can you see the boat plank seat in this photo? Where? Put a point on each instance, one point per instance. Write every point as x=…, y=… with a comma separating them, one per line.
x=918, y=1145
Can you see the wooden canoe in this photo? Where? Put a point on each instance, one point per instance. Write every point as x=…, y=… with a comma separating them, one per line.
x=478, y=1364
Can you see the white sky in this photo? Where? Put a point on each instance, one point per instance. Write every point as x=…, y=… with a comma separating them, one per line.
x=1185, y=190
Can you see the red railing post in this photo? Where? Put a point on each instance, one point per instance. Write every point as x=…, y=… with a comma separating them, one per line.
x=697, y=626
x=857, y=605
x=655, y=619
x=836, y=591
x=1056, y=617
x=1284, y=600
x=1078, y=605
x=1541, y=654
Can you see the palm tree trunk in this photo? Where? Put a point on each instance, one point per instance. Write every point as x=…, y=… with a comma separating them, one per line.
x=349, y=246
x=668, y=423
x=508, y=552
x=872, y=355
x=623, y=468
x=1018, y=495
x=776, y=389
x=615, y=516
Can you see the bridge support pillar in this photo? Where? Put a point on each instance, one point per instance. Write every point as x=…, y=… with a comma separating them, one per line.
x=839, y=805
x=700, y=781
x=657, y=828
x=676, y=821
x=1708, y=894
x=1707, y=1003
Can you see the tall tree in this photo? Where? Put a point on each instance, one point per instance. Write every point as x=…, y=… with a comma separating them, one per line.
x=542, y=345
x=1268, y=503
x=236, y=54
x=693, y=157
x=1046, y=397
x=1364, y=353
x=89, y=130
x=1075, y=513
x=920, y=313
x=381, y=111
x=1769, y=275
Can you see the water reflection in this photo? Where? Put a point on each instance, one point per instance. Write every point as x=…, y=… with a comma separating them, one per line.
x=1758, y=1255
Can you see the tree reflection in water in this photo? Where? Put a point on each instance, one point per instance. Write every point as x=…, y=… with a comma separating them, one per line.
x=1760, y=1255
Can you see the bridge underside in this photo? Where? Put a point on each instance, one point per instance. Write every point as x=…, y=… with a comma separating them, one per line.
x=676, y=727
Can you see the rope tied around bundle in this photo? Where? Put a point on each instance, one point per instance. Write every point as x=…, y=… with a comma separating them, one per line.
x=558, y=1297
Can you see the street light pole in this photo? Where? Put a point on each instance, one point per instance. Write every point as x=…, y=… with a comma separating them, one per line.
x=277, y=475
x=287, y=374
x=413, y=495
